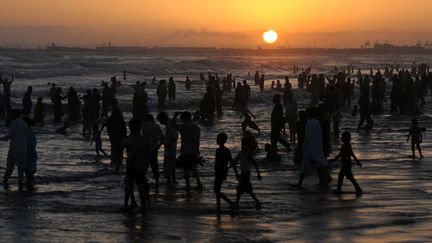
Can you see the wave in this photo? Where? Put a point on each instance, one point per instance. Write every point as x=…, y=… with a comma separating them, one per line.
x=34, y=65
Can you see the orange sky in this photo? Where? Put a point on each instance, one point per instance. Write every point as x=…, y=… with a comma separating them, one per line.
x=221, y=23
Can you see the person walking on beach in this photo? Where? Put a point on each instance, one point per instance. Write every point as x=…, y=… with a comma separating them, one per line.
x=246, y=158
x=313, y=154
x=189, y=149
x=154, y=137
x=39, y=112
x=223, y=161
x=346, y=170
x=415, y=133
x=18, y=148
x=170, y=148
x=96, y=138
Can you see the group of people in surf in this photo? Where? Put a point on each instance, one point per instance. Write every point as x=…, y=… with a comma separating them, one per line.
x=310, y=129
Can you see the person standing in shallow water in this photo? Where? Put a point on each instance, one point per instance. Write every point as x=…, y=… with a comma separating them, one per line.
x=116, y=128
x=154, y=137
x=161, y=93
x=189, y=149
x=171, y=89
x=27, y=102
x=58, y=106
x=188, y=83
x=18, y=148
x=170, y=148
x=136, y=166
x=365, y=113
x=346, y=170
x=277, y=123
x=32, y=155
x=415, y=133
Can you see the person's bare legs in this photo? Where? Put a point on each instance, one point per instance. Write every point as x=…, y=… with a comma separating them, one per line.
x=196, y=175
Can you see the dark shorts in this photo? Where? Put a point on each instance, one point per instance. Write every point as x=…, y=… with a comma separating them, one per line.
x=244, y=183
x=135, y=175
x=187, y=161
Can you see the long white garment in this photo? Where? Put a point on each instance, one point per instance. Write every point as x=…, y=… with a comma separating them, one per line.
x=313, y=155
x=18, y=135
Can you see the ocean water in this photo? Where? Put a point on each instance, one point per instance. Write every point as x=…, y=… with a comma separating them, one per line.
x=77, y=196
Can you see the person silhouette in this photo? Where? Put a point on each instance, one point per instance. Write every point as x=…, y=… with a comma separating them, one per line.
x=277, y=123
x=116, y=128
x=246, y=158
x=189, y=159
x=27, y=102
x=415, y=133
x=313, y=153
x=136, y=166
x=223, y=161
x=154, y=137
x=170, y=148
x=18, y=148
x=346, y=170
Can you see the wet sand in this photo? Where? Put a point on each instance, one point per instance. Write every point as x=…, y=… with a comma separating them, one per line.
x=78, y=198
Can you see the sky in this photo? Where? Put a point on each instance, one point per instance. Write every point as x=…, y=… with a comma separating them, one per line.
x=213, y=23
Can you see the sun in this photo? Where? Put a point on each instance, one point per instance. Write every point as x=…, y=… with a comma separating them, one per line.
x=270, y=36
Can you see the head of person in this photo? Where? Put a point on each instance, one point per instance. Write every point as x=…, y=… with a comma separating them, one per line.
x=149, y=118
x=267, y=147
x=276, y=99
x=40, y=98
x=162, y=118
x=185, y=116
x=221, y=138
x=244, y=82
x=29, y=89
x=346, y=137
x=134, y=125
x=312, y=112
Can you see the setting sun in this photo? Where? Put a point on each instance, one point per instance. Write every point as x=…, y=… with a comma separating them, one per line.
x=270, y=36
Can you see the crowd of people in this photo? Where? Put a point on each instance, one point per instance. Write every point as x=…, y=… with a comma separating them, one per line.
x=310, y=130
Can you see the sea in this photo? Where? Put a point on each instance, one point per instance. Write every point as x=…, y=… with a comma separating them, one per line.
x=78, y=197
